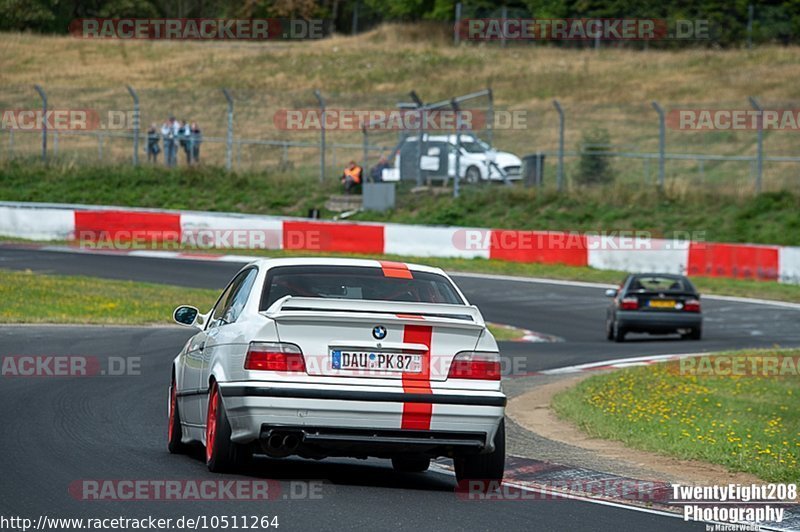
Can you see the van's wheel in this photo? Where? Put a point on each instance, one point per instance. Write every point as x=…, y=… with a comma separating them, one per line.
x=484, y=467
x=222, y=455
x=175, y=432
x=472, y=175
x=411, y=464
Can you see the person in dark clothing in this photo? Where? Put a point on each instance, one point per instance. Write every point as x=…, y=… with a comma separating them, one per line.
x=376, y=173
x=197, y=138
x=152, y=144
x=185, y=135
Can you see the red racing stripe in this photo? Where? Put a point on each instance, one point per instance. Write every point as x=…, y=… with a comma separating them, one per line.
x=395, y=269
x=417, y=416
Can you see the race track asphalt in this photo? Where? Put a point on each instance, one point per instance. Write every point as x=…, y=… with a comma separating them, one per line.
x=59, y=430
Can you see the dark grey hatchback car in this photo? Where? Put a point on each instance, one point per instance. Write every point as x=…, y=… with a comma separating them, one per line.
x=655, y=303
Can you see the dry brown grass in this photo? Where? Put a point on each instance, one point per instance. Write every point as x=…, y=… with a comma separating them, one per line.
x=611, y=88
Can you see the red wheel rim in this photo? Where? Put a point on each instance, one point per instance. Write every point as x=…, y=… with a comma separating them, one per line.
x=172, y=403
x=211, y=422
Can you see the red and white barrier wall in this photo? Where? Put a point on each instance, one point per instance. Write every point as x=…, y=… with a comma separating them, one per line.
x=126, y=228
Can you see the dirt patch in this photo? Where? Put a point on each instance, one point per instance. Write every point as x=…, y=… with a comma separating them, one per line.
x=532, y=410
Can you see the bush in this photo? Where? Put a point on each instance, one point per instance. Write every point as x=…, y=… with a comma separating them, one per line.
x=594, y=169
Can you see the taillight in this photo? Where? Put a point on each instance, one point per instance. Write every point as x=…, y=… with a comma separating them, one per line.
x=473, y=365
x=691, y=305
x=629, y=303
x=274, y=356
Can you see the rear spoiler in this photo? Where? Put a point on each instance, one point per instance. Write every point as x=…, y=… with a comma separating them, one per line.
x=302, y=307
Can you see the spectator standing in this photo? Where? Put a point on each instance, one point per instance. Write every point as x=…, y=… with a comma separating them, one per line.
x=169, y=131
x=197, y=138
x=152, y=144
x=185, y=135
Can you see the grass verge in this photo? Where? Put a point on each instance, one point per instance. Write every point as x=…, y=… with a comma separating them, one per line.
x=37, y=298
x=743, y=422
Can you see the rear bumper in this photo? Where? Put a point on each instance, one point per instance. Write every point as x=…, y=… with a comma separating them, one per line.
x=658, y=322
x=362, y=420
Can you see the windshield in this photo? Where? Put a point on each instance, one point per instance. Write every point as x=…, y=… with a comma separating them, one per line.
x=475, y=146
x=356, y=282
x=660, y=284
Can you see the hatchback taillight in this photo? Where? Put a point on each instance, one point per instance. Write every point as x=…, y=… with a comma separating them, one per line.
x=629, y=303
x=691, y=305
x=475, y=365
x=274, y=356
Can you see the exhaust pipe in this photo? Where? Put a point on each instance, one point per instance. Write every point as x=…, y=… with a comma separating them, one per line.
x=280, y=444
x=291, y=442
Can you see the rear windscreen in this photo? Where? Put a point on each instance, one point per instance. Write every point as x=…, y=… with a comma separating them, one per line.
x=660, y=284
x=355, y=282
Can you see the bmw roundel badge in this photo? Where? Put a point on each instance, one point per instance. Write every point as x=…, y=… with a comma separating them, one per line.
x=379, y=332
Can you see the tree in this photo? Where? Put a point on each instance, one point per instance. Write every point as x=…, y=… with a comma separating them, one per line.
x=594, y=169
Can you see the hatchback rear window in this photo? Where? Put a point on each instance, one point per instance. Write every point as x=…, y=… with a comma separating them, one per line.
x=355, y=282
x=660, y=284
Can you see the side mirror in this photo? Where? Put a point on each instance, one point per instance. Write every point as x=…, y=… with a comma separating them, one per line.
x=185, y=315
x=611, y=292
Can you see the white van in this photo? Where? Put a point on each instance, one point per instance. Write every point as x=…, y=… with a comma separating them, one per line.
x=478, y=161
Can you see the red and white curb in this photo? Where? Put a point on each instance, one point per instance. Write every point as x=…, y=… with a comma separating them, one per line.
x=51, y=221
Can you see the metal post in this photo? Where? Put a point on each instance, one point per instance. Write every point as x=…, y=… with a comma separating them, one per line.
x=229, y=139
x=560, y=175
x=55, y=142
x=420, y=105
x=539, y=177
x=750, y=26
x=354, y=27
x=44, y=122
x=661, y=142
x=504, y=18
x=457, y=27
x=10, y=142
x=456, y=179
x=136, y=122
x=321, y=136
x=366, y=160
x=490, y=119
x=760, y=154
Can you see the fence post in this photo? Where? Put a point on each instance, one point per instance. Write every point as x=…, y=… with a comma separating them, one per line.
x=504, y=26
x=560, y=175
x=750, y=27
x=136, y=122
x=418, y=171
x=490, y=118
x=321, y=136
x=760, y=154
x=661, y=142
x=229, y=138
x=456, y=179
x=41, y=92
x=366, y=156
x=457, y=26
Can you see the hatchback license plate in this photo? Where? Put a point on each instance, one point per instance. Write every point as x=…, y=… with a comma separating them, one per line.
x=375, y=361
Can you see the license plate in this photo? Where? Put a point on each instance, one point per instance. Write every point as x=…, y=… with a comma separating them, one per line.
x=662, y=303
x=344, y=359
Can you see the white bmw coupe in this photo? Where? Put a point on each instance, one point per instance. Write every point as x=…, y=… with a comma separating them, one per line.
x=340, y=357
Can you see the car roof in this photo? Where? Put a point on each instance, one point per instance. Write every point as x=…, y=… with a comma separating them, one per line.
x=340, y=261
x=666, y=275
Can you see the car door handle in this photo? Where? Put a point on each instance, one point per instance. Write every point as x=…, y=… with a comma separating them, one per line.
x=201, y=346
